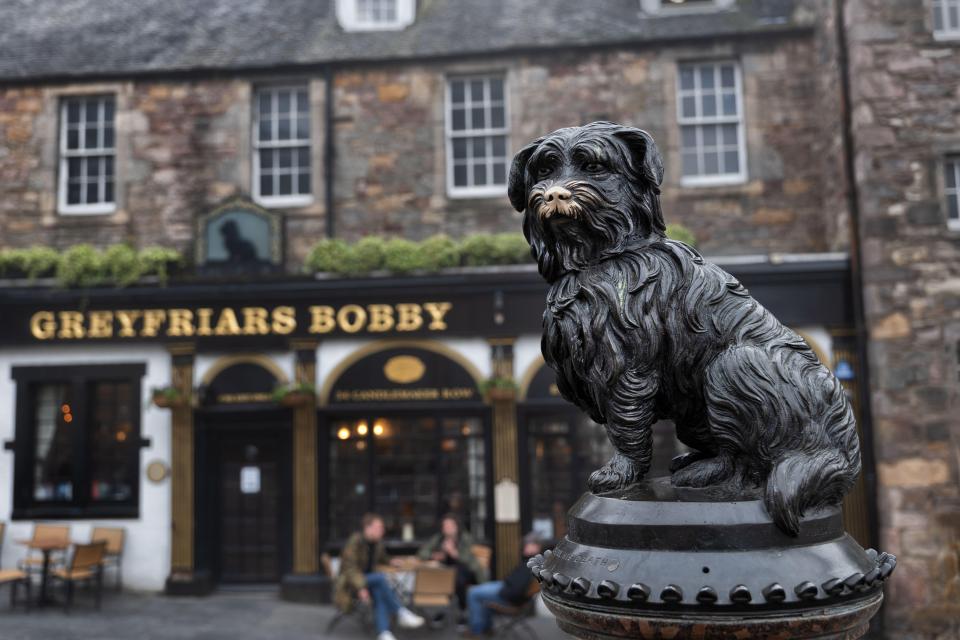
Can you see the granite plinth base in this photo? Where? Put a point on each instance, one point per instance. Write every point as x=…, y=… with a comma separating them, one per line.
x=654, y=561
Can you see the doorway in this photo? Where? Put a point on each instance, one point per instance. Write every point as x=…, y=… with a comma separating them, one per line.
x=245, y=520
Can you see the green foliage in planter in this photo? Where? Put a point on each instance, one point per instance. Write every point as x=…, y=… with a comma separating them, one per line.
x=479, y=250
x=497, y=383
x=157, y=261
x=511, y=248
x=442, y=251
x=33, y=263
x=327, y=255
x=121, y=265
x=365, y=256
x=404, y=256
x=168, y=393
x=681, y=233
x=282, y=391
x=80, y=266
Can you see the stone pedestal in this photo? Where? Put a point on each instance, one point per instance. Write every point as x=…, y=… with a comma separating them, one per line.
x=653, y=561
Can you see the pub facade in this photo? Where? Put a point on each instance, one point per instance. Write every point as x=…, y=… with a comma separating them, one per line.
x=239, y=418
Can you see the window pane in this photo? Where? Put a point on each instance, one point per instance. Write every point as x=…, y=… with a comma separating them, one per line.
x=54, y=425
x=499, y=146
x=459, y=148
x=93, y=168
x=709, y=134
x=283, y=102
x=689, y=107
x=108, y=137
x=456, y=91
x=689, y=137
x=727, y=77
x=496, y=89
x=265, y=130
x=286, y=158
x=729, y=134
x=480, y=175
x=92, y=110
x=476, y=90
x=711, y=163
x=266, y=159
x=108, y=165
x=113, y=468
x=937, y=16
x=709, y=105
x=303, y=104
x=706, y=77
x=459, y=122
x=286, y=185
x=303, y=157
x=463, y=474
x=499, y=173
x=460, y=175
x=686, y=78
x=496, y=117
x=90, y=138
x=349, y=477
x=303, y=183
x=73, y=138
x=92, y=192
x=731, y=162
x=283, y=129
x=266, y=184
x=73, y=111
x=303, y=128
x=478, y=121
x=108, y=194
x=953, y=207
x=954, y=16
x=950, y=174
x=405, y=473
x=729, y=104
x=264, y=104
x=478, y=146
x=73, y=193
x=108, y=110
x=690, y=163
x=73, y=168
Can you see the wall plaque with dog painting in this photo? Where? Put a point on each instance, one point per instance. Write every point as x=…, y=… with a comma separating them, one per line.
x=640, y=328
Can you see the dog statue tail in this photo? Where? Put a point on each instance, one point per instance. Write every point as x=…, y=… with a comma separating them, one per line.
x=824, y=470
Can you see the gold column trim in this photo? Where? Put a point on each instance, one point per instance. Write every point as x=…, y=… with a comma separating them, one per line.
x=306, y=534
x=506, y=462
x=182, y=465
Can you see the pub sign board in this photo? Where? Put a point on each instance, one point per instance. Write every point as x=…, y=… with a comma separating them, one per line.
x=403, y=374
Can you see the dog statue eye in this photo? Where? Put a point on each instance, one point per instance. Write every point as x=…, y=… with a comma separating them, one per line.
x=594, y=167
x=544, y=170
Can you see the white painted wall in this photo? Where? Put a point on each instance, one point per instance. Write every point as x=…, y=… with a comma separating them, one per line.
x=146, y=560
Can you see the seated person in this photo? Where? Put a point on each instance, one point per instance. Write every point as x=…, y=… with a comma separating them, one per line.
x=513, y=590
x=359, y=580
x=453, y=547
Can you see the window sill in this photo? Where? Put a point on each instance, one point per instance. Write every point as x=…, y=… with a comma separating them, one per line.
x=947, y=38
x=87, y=209
x=953, y=225
x=281, y=202
x=64, y=512
x=498, y=191
x=713, y=181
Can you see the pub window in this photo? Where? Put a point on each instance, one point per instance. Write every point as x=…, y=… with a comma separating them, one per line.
x=951, y=181
x=710, y=114
x=87, y=155
x=77, y=441
x=409, y=469
x=477, y=132
x=281, y=146
x=375, y=15
x=946, y=19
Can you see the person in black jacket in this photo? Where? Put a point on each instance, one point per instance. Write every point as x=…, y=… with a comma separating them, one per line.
x=513, y=590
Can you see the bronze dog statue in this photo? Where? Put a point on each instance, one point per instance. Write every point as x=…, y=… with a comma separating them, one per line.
x=639, y=328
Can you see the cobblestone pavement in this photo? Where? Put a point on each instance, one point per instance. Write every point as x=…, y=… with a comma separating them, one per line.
x=223, y=616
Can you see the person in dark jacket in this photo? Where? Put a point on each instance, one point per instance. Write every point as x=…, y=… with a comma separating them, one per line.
x=513, y=590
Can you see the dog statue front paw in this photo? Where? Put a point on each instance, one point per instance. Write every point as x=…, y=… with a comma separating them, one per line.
x=616, y=474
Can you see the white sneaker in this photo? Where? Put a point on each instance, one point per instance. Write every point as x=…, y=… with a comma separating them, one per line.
x=407, y=619
x=386, y=635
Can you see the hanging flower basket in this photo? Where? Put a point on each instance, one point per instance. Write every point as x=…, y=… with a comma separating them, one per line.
x=294, y=396
x=169, y=398
x=494, y=389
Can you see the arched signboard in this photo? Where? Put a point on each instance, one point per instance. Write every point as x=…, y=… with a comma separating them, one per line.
x=403, y=374
x=241, y=382
x=540, y=383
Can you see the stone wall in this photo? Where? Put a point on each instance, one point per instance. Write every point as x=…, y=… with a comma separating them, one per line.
x=184, y=145
x=906, y=116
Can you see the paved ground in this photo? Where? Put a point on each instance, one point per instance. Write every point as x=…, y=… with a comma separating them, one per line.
x=223, y=616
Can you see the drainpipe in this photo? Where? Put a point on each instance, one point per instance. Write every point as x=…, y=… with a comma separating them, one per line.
x=328, y=147
x=856, y=274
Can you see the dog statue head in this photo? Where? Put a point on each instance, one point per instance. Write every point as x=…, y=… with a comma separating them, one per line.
x=586, y=194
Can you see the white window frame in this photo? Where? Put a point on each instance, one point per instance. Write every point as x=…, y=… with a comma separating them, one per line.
x=667, y=7
x=279, y=201
x=952, y=192
x=487, y=191
x=350, y=20
x=98, y=208
x=942, y=7
x=740, y=120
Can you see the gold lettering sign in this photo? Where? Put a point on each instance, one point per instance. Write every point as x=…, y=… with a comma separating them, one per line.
x=244, y=321
x=404, y=369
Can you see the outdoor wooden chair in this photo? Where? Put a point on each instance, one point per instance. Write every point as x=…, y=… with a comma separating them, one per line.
x=483, y=554
x=14, y=577
x=33, y=562
x=512, y=619
x=86, y=567
x=433, y=589
x=114, y=537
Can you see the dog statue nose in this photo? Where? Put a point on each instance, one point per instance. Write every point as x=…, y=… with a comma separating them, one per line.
x=557, y=193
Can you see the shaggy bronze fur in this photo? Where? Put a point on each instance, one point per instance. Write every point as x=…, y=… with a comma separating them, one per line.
x=639, y=328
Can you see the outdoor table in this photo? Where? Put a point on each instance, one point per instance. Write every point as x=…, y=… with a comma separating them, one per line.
x=46, y=547
x=400, y=575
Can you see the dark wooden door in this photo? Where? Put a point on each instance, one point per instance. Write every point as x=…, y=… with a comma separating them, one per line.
x=249, y=505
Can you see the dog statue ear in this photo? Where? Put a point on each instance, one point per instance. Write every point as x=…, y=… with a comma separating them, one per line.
x=517, y=183
x=645, y=156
